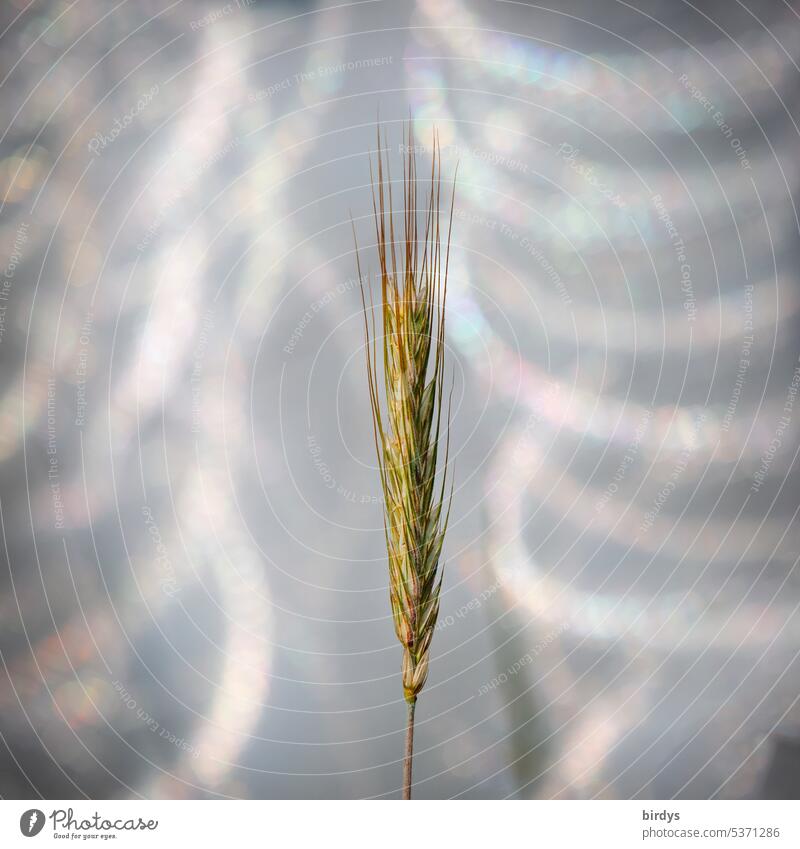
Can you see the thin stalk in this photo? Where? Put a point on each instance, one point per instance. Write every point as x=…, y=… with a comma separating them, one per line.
x=409, y=756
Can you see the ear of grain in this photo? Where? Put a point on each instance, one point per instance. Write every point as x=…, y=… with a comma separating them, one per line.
x=405, y=359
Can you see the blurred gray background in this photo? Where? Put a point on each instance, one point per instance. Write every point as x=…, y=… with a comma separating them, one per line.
x=194, y=588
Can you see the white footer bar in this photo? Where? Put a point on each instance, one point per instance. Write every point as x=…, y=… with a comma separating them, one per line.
x=383, y=824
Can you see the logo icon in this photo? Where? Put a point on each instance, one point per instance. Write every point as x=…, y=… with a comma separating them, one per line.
x=31, y=822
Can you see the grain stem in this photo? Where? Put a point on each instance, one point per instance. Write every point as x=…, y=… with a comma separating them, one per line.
x=409, y=756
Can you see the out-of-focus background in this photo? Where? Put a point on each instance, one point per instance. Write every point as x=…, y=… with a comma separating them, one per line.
x=194, y=589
